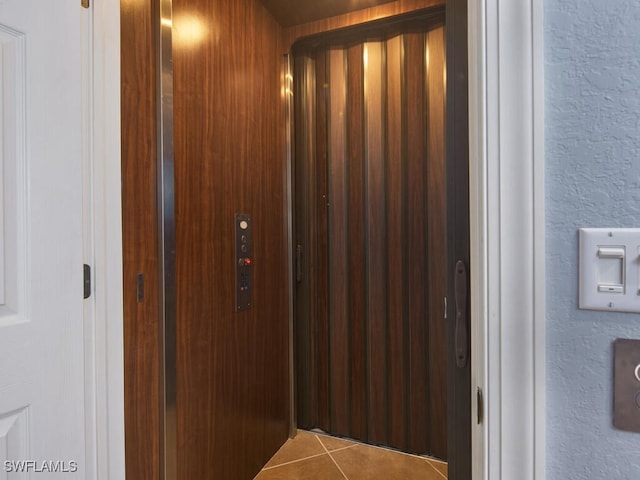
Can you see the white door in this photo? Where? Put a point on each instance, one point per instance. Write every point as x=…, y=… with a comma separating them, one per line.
x=42, y=408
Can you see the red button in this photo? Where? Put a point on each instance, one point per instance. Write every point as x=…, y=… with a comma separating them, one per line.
x=247, y=261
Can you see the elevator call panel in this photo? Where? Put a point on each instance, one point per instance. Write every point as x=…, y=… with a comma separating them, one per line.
x=626, y=384
x=244, y=262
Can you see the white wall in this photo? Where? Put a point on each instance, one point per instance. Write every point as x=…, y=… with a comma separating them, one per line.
x=592, y=131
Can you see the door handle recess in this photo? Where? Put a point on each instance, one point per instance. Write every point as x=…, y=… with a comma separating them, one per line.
x=462, y=327
x=299, y=263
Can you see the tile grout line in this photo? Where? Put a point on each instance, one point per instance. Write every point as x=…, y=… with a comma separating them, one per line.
x=379, y=447
x=427, y=460
x=383, y=448
x=353, y=444
x=341, y=448
x=309, y=457
x=295, y=461
x=333, y=459
x=438, y=471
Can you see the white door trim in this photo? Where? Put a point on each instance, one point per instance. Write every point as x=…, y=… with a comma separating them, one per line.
x=506, y=126
x=108, y=342
x=506, y=123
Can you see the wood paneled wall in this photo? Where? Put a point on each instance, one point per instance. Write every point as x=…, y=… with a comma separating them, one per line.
x=233, y=395
x=140, y=241
x=232, y=382
x=292, y=34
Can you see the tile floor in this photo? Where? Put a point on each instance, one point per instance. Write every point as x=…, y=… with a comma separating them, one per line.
x=312, y=456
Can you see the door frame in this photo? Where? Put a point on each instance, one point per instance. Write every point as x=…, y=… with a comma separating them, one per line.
x=105, y=382
x=507, y=237
x=507, y=201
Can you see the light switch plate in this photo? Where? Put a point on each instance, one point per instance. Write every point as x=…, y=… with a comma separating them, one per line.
x=626, y=389
x=610, y=269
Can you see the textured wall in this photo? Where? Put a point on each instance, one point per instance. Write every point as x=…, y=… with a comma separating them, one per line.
x=592, y=83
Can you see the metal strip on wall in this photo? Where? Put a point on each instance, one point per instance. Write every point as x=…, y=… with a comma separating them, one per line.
x=167, y=294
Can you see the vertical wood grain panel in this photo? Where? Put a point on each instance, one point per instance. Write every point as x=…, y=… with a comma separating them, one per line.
x=338, y=270
x=385, y=241
x=305, y=230
x=229, y=132
x=396, y=221
x=416, y=280
x=356, y=248
x=312, y=277
x=140, y=241
x=436, y=234
x=322, y=256
x=376, y=230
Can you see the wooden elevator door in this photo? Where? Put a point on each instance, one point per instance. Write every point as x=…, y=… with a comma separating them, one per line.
x=370, y=240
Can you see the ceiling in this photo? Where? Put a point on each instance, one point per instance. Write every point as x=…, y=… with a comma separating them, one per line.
x=295, y=12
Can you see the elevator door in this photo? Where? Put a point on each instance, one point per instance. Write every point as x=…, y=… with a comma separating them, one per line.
x=370, y=234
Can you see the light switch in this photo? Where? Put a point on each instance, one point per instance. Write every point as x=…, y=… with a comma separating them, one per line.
x=610, y=269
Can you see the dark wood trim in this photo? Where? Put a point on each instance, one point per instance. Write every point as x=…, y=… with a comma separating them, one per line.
x=382, y=29
x=399, y=7
x=459, y=380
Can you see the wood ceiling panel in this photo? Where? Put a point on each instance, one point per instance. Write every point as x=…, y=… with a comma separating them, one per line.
x=296, y=12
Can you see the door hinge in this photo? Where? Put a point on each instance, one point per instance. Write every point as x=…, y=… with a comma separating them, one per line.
x=87, y=281
x=480, y=405
x=84, y=3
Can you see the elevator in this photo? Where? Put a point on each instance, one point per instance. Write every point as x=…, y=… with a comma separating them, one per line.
x=213, y=374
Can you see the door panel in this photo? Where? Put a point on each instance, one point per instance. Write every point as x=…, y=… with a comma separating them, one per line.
x=375, y=239
x=370, y=220
x=436, y=223
x=42, y=388
x=232, y=367
x=397, y=380
x=354, y=215
x=338, y=321
x=415, y=243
